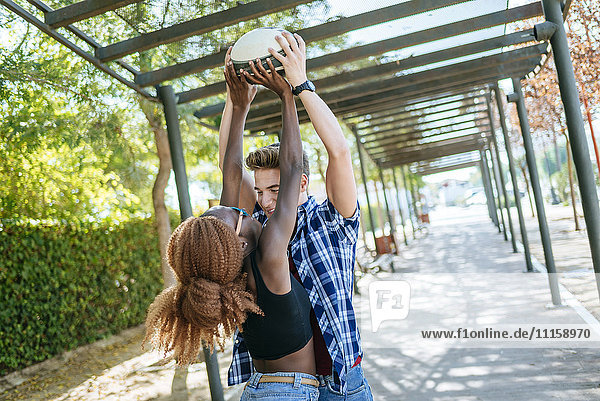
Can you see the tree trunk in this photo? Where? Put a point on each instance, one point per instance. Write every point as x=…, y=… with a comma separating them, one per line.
x=158, y=190
x=571, y=185
x=522, y=167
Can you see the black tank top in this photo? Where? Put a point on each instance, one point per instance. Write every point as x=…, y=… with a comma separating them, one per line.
x=285, y=327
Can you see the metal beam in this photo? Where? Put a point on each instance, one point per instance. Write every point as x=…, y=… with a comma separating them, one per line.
x=376, y=85
x=578, y=139
x=404, y=115
x=372, y=72
x=198, y=26
x=312, y=34
x=400, y=145
x=513, y=177
x=397, y=133
x=414, y=91
x=364, y=179
x=30, y=18
x=82, y=10
x=537, y=192
x=449, y=168
x=377, y=106
x=379, y=103
x=363, y=106
x=167, y=96
x=502, y=183
x=389, y=163
x=359, y=52
x=432, y=146
x=403, y=141
x=400, y=86
x=422, y=102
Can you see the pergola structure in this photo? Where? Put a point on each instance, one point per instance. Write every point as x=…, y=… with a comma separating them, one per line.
x=429, y=113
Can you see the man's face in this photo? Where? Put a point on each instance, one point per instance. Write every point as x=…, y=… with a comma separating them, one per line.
x=266, y=185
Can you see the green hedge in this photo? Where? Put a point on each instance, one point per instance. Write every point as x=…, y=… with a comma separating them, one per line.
x=61, y=287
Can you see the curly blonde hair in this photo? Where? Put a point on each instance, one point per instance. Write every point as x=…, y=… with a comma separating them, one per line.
x=210, y=298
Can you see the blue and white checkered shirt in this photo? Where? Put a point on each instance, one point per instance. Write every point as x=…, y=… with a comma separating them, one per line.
x=323, y=249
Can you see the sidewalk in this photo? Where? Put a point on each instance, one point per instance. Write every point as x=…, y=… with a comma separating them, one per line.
x=464, y=275
x=571, y=251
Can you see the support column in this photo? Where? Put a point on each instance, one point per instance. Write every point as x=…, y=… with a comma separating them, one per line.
x=485, y=179
x=389, y=213
x=414, y=191
x=406, y=191
x=581, y=153
x=364, y=177
x=513, y=239
x=486, y=169
x=399, y=206
x=513, y=176
x=387, y=205
x=502, y=227
x=537, y=191
x=167, y=96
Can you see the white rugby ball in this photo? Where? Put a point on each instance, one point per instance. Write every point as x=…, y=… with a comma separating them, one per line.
x=255, y=45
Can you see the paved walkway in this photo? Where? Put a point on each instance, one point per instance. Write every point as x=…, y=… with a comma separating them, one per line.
x=462, y=275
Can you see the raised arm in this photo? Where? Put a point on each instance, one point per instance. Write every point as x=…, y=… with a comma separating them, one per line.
x=247, y=197
x=276, y=234
x=241, y=94
x=339, y=180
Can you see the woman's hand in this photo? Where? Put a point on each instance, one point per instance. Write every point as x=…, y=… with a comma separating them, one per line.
x=238, y=90
x=269, y=79
x=294, y=61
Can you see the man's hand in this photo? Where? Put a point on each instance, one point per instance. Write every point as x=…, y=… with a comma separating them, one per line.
x=240, y=92
x=269, y=79
x=294, y=61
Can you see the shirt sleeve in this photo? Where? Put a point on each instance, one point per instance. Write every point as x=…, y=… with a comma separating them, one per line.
x=345, y=227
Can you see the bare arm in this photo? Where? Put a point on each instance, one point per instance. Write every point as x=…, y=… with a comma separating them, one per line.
x=232, y=165
x=247, y=198
x=275, y=237
x=339, y=181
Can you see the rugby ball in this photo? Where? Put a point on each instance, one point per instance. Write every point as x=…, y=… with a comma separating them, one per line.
x=255, y=44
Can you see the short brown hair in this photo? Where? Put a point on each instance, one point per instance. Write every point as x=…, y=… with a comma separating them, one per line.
x=268, y=157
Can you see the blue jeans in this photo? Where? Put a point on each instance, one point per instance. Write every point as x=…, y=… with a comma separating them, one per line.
x=357, y=385
x=280, y=391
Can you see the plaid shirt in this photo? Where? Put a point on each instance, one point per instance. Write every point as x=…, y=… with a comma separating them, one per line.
x=323, y=249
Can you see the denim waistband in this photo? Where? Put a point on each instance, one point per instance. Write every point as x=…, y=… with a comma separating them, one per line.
x=253, y=381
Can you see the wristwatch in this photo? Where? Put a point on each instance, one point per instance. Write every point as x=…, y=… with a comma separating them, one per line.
x=307, y=85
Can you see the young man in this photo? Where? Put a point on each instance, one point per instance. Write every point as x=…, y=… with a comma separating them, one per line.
x=323, y=246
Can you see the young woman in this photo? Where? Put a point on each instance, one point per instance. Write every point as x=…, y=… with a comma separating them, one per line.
x=233, y=272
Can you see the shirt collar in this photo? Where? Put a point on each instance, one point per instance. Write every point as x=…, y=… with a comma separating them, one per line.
x=309, y=205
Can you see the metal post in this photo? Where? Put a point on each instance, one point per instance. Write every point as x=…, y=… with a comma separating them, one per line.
x=167, y=96
x=399, y=206
x=485, y=179
x=406, y=191
x=364, y=177
x=486, y=173
x=537, y=191
x=502, y=227
x=414, y=191
x=513, y=238
x=581, y=154
x=513, y=176
x=385, y=200
x=389, y=213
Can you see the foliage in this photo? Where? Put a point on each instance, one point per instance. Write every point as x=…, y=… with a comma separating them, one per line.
x=63, y=286
x=67, y=152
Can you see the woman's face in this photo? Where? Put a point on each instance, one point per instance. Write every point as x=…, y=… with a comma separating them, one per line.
x=249, y=228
